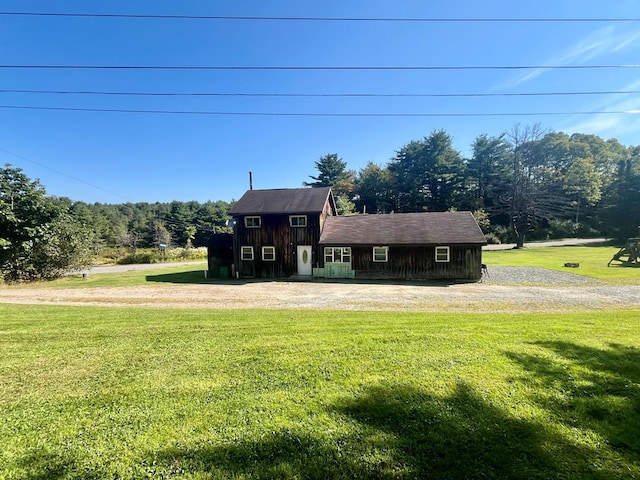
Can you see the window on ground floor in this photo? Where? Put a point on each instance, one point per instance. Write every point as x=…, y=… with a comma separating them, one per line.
x=380, y=254
x=269, y=254
x=442, y=254
x=246, y=253
x=337, y=254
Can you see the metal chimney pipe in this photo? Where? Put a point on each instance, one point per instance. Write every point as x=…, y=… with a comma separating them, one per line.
x=250, y=180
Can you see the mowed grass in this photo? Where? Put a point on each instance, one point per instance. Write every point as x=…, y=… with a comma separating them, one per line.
x=92, y=393
x=593, y=261
x=192, y=273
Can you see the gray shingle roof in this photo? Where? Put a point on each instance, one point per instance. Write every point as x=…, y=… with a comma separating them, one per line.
x=429, y=228
x=282, y=200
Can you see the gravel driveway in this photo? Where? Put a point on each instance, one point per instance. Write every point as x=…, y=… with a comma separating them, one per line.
x=532, y=275
x=506, y=289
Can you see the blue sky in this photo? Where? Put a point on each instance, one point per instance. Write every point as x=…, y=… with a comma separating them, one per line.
x=119, y=157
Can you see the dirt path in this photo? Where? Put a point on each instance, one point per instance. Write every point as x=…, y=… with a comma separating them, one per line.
x=477, y=297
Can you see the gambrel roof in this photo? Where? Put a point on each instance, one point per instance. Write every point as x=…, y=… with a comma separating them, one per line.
x=284, y=200
x=428, y=228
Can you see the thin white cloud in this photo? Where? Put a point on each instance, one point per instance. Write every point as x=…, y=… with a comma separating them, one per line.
x=604, y=41
x=615, y=124
x=598, y=46
x=597, y=125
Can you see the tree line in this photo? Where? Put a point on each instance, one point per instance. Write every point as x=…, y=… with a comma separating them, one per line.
x=43, y=237
x=146, y=225
x=525, y=184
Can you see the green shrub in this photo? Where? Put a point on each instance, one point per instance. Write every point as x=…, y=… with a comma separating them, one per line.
x=177, y=254
x=152, y=255
x=562, y=228
x=499, y=232
x=492, y=238
x=568, y=228
x=141, y=256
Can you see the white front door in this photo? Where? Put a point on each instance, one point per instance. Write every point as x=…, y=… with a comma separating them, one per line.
x=304, y=260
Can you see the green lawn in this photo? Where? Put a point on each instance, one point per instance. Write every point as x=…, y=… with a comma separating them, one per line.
x=188, y=273
x=92, y=393
x=593, y=261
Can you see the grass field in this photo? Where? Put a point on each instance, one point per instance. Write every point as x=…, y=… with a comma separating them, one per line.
x=92, y=393
x=189, y=273
x=593, y=261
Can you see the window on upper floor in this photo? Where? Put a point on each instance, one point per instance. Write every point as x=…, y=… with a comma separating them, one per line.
x=298, y=220
x=252, y=222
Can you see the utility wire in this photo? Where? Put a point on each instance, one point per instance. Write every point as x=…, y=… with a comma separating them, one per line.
x=321, y=19
x=317, y=114
x=353, y=94
x=21, y=157
x=318, y=67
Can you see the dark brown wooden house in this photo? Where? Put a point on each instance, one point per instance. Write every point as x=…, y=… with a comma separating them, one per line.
x=430, y=245
x=276, y=232
x=285, y=232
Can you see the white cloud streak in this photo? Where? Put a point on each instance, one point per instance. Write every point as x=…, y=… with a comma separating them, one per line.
x=604, y=41
x=616, y=124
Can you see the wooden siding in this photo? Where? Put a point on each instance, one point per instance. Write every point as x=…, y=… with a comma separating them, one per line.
x=220, y=255
x=418, y=262
x=276, y=231
x=219, y=258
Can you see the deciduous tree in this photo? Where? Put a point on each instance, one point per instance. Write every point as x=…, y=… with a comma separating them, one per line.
x=40, y=239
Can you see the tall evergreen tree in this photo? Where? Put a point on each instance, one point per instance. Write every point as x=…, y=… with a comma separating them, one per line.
x=427, y=174
x=374, y=189
x=332, y=172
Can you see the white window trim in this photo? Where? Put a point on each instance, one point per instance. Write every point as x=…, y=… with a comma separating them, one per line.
x=291, y=217
x=386, y=254
x=273, y=249
x=246, y=224
x=243, y=250
x=443, y=249
x=329, y=254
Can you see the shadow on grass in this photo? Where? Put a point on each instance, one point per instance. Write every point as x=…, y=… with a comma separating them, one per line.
x=400, y=432
x=194, y=277
x=47, y=466
x=597, y=390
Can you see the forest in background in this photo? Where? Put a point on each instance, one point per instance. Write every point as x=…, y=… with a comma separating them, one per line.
x=528, y=184
x=525, y=184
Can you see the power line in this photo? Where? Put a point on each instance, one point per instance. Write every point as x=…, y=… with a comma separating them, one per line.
x=21, y=157
x=319, y=67
x=352, y=94
x=317, y=114
x=322, y=19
